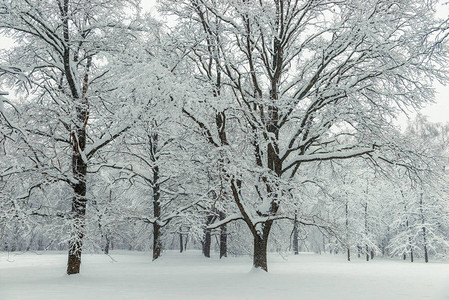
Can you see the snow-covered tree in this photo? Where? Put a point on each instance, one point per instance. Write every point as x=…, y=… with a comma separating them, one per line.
x=73, y=108
x=310, y=81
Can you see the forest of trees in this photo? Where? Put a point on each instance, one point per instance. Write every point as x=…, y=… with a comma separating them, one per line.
x=241, y=127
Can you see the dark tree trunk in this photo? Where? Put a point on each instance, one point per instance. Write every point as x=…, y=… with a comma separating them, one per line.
x=372, y=254
x=260, y=247
x=366, y=231
x=324, y=244
x=220, y=120
x=181, y=244
x=426, y=255
x=410, y=244
x=223, y=238
x=79, y=201
x=347, y=231
x=78, y=215
x=186, y=241
x=207, y=240
x=106, y=246
x=105, y=235
x=404, y=256
x=207, y=243
x=157, y=247
x=424, y=234
x=295, y=237
x=260, y=253
x=79, y=158
x=295, y=242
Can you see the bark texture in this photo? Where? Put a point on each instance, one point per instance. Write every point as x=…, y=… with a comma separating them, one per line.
x=223, y=238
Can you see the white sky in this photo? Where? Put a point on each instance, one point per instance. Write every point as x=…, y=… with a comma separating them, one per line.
x=438, y=112
x=148, y=5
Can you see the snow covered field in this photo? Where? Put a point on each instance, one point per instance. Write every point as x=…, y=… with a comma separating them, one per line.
x=133, y=275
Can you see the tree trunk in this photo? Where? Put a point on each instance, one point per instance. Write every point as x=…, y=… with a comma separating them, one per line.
x=426, y=255
x=181, y=244
x=347, y=231
x=260, y=246
x=185, y=243
x=223, y=238
x=79, y=159
x=260, y=253
x=207, y=240
x=367, y=252
x=106, y=246
x=424, y=235
x=79, y=215
x=106, y=234
x=324, y=243
x=366, y=231
x=411, y=246
x=295, y=237
x=260, y=232
x=157, y=247
x=79, y=201
x=207, y=243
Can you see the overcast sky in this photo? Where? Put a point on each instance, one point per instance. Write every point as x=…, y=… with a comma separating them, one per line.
x=438, y=112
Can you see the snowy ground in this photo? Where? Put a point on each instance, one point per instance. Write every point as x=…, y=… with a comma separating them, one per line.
x=30, y=276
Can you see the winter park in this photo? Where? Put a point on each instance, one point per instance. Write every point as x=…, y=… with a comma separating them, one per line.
x=233, y=149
